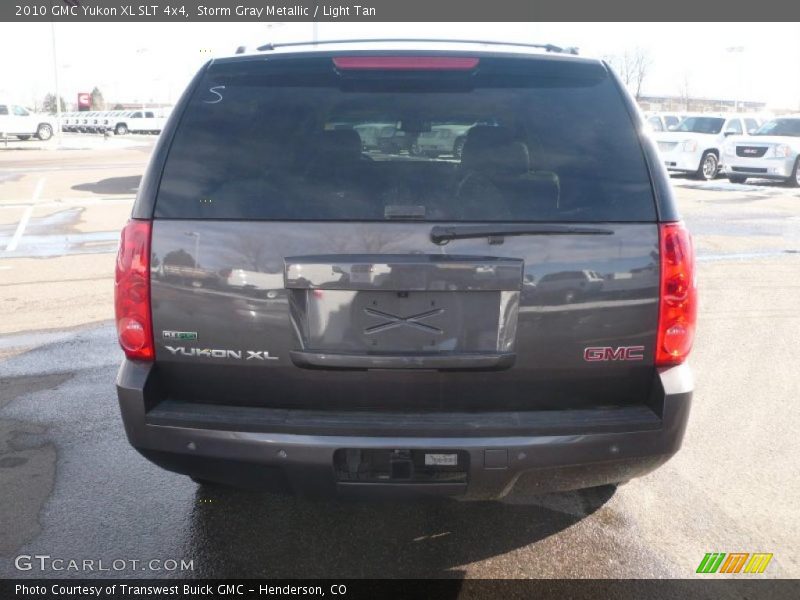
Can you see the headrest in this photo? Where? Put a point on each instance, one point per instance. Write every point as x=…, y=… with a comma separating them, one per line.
x=493, y=150
x=340, y=144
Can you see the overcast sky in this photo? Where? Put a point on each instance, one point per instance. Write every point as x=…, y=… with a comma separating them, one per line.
x=153, y=62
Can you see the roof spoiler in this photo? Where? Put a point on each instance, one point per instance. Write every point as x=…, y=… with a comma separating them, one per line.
x=547, y=47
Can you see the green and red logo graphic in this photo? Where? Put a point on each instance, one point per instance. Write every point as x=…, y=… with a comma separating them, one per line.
x=734, y=562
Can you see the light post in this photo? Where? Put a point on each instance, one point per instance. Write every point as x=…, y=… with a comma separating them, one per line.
x=737, y=50
x=196, y=237
x=140, y=52
x=55, y=77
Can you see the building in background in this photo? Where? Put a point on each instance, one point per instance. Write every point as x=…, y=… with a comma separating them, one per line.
x=698, y=104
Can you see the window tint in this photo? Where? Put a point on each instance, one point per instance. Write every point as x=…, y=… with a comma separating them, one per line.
x=149, y=115
x=20, y=112
x=786, y=127
x=3, y=109
x=751, y=124
x=655, y=123
x=671, y=121
x=509, y=143
x=734, y=126
x=701, y=125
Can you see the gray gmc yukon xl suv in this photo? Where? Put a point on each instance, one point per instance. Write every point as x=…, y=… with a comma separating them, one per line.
x=300, y=311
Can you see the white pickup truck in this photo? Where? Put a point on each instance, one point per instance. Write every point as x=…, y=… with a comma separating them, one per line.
x=140, y=121
x=18, y=121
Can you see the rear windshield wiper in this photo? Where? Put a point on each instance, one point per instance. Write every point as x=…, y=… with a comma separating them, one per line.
x=441, y=234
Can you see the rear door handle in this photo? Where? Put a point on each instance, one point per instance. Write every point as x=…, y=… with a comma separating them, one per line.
x=481, y=361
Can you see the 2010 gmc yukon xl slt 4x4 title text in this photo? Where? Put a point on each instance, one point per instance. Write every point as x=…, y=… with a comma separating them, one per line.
x=510, y=317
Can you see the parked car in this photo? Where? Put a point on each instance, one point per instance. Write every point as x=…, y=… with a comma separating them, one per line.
x=658, y=122
x=82, y=121
x=24, y=124
x=145, y=121
x=394, y=140
x=772, y=152
x=115, y=122
x=406, y=358
x=752, y=123
x=70, y=122
x=695, y=146
x=65, y=121
x=95, y=124
x=370, y=133
x=85, y=121
x=567, y=287
x=447, y=138
x=255, y=283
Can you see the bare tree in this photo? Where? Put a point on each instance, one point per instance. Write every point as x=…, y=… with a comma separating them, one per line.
x=632, y=66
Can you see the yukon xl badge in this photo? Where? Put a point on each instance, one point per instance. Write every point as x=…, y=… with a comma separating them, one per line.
x=179, y=335
x=221, y=353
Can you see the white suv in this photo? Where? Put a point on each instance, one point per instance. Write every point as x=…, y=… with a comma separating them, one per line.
x=18, y=121
x=773, y=152
x=695, y=145
x=658, y=122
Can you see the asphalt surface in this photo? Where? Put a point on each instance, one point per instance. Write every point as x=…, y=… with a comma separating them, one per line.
x=71, y=487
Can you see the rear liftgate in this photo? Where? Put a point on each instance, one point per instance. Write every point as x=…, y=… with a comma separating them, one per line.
x=431, y=312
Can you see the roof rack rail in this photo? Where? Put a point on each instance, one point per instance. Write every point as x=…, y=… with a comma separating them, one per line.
x=547, y=47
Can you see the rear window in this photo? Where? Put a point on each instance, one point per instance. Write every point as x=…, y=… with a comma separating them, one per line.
x=512, y=140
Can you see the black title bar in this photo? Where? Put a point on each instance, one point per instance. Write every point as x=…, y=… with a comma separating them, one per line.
x=186, y=11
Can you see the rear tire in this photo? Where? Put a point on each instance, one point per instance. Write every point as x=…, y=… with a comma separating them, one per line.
x=794, y=180
x=44, y=132
x=709, y=166
x=24, y=137
x=121, y=129
x=736, y=179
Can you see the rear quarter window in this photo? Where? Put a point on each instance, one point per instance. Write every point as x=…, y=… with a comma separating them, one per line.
x=292, y=139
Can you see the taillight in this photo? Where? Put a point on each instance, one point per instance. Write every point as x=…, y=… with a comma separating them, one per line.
x=678, y=303
x=132, y=291
x=406, y=63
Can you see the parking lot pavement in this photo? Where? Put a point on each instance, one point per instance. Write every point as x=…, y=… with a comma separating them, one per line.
x=73, y=488
x=60, y=216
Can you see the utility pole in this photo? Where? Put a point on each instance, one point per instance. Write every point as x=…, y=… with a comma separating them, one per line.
x=737, y=50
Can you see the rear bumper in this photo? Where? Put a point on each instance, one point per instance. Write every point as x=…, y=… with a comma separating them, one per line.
x=557, y=454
